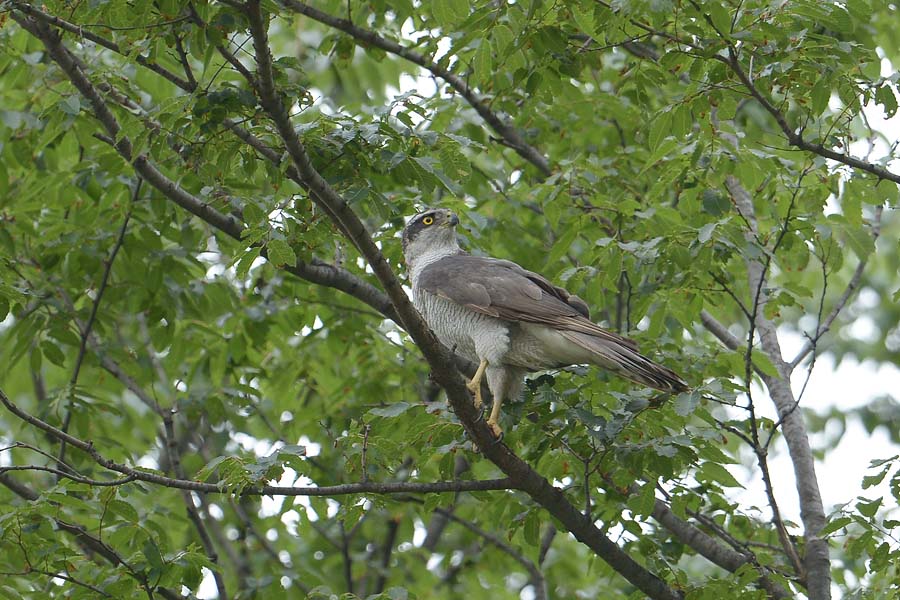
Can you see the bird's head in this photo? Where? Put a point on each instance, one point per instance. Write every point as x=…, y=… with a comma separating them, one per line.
x=432, y=231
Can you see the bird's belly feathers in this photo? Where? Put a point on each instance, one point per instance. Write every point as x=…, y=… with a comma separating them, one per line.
x=455, y=326
x=475, y=336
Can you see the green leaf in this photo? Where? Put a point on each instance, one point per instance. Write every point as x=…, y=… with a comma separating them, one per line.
x=719, y=15
x=279, y=253
x=448, y=12
x=886, y=97
x=869, y=508
x=482, y=64
x=532, y=529
x=860, y=240
x=872, y=480
x=660, y=129
x=502, y=38
x=685, y=403
x=53, y=353
x=584, y=18
x=706, y=232
x=835, y=525
x=710, y=471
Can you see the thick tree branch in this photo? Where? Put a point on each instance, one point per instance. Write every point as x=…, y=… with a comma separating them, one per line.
x=315, y=271
x=714, y=551
x=504, y=129
x=81, y=32
x=268, y=490
x=438, y=357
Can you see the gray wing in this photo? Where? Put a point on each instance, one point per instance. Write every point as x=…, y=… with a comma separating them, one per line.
x=504, y=290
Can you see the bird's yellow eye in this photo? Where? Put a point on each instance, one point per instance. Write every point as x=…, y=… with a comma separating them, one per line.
x=428, y=220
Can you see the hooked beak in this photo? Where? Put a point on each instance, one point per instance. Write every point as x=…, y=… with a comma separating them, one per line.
x=454, y=220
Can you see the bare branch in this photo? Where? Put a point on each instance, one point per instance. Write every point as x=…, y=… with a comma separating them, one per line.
x=89, y=325
x=393, y=524
x=31, y=570
x=268, y=490
x=849, y=291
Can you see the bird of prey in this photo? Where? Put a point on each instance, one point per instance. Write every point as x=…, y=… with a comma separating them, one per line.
x=507, y=319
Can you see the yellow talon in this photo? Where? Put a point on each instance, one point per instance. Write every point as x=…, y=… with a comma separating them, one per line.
x=474, y=385
x=492, y=421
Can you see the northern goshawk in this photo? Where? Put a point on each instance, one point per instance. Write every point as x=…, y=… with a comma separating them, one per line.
x=509, y=320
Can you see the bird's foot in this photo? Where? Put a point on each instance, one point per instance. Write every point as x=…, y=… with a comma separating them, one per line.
x=475, y=387
x=481, y=413
x=496, y=430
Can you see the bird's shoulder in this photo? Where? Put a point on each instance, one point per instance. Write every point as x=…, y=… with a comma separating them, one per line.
x=486, y=281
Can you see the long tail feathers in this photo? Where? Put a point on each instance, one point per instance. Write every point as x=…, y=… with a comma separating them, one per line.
x=628, y=362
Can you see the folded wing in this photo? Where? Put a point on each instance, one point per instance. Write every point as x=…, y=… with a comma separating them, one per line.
x=503, y=289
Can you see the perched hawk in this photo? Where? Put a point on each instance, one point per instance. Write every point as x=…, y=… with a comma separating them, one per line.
x=509, y=320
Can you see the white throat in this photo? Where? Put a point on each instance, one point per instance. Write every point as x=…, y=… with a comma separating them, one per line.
x=418, y=259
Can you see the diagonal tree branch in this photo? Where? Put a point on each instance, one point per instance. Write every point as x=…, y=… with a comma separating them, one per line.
x=504, y=129
x=796, y=138
x=81, y=32
x=315, y=271
x=714, y=551
x=438, y=357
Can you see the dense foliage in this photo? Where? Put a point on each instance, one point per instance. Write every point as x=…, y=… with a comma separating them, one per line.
x=193, y=234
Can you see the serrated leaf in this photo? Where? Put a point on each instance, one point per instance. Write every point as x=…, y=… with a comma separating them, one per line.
x=706, y=232
x=860, y=240
x=53, y=353
x=448, y=12
x=502, y=37
x=685, y=403
x=710, y=471
x=246, y=261
x=207, y=470
x=280, y=253
x=584, y=18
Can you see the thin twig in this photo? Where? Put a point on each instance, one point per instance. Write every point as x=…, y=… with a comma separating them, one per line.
x=88, y=326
